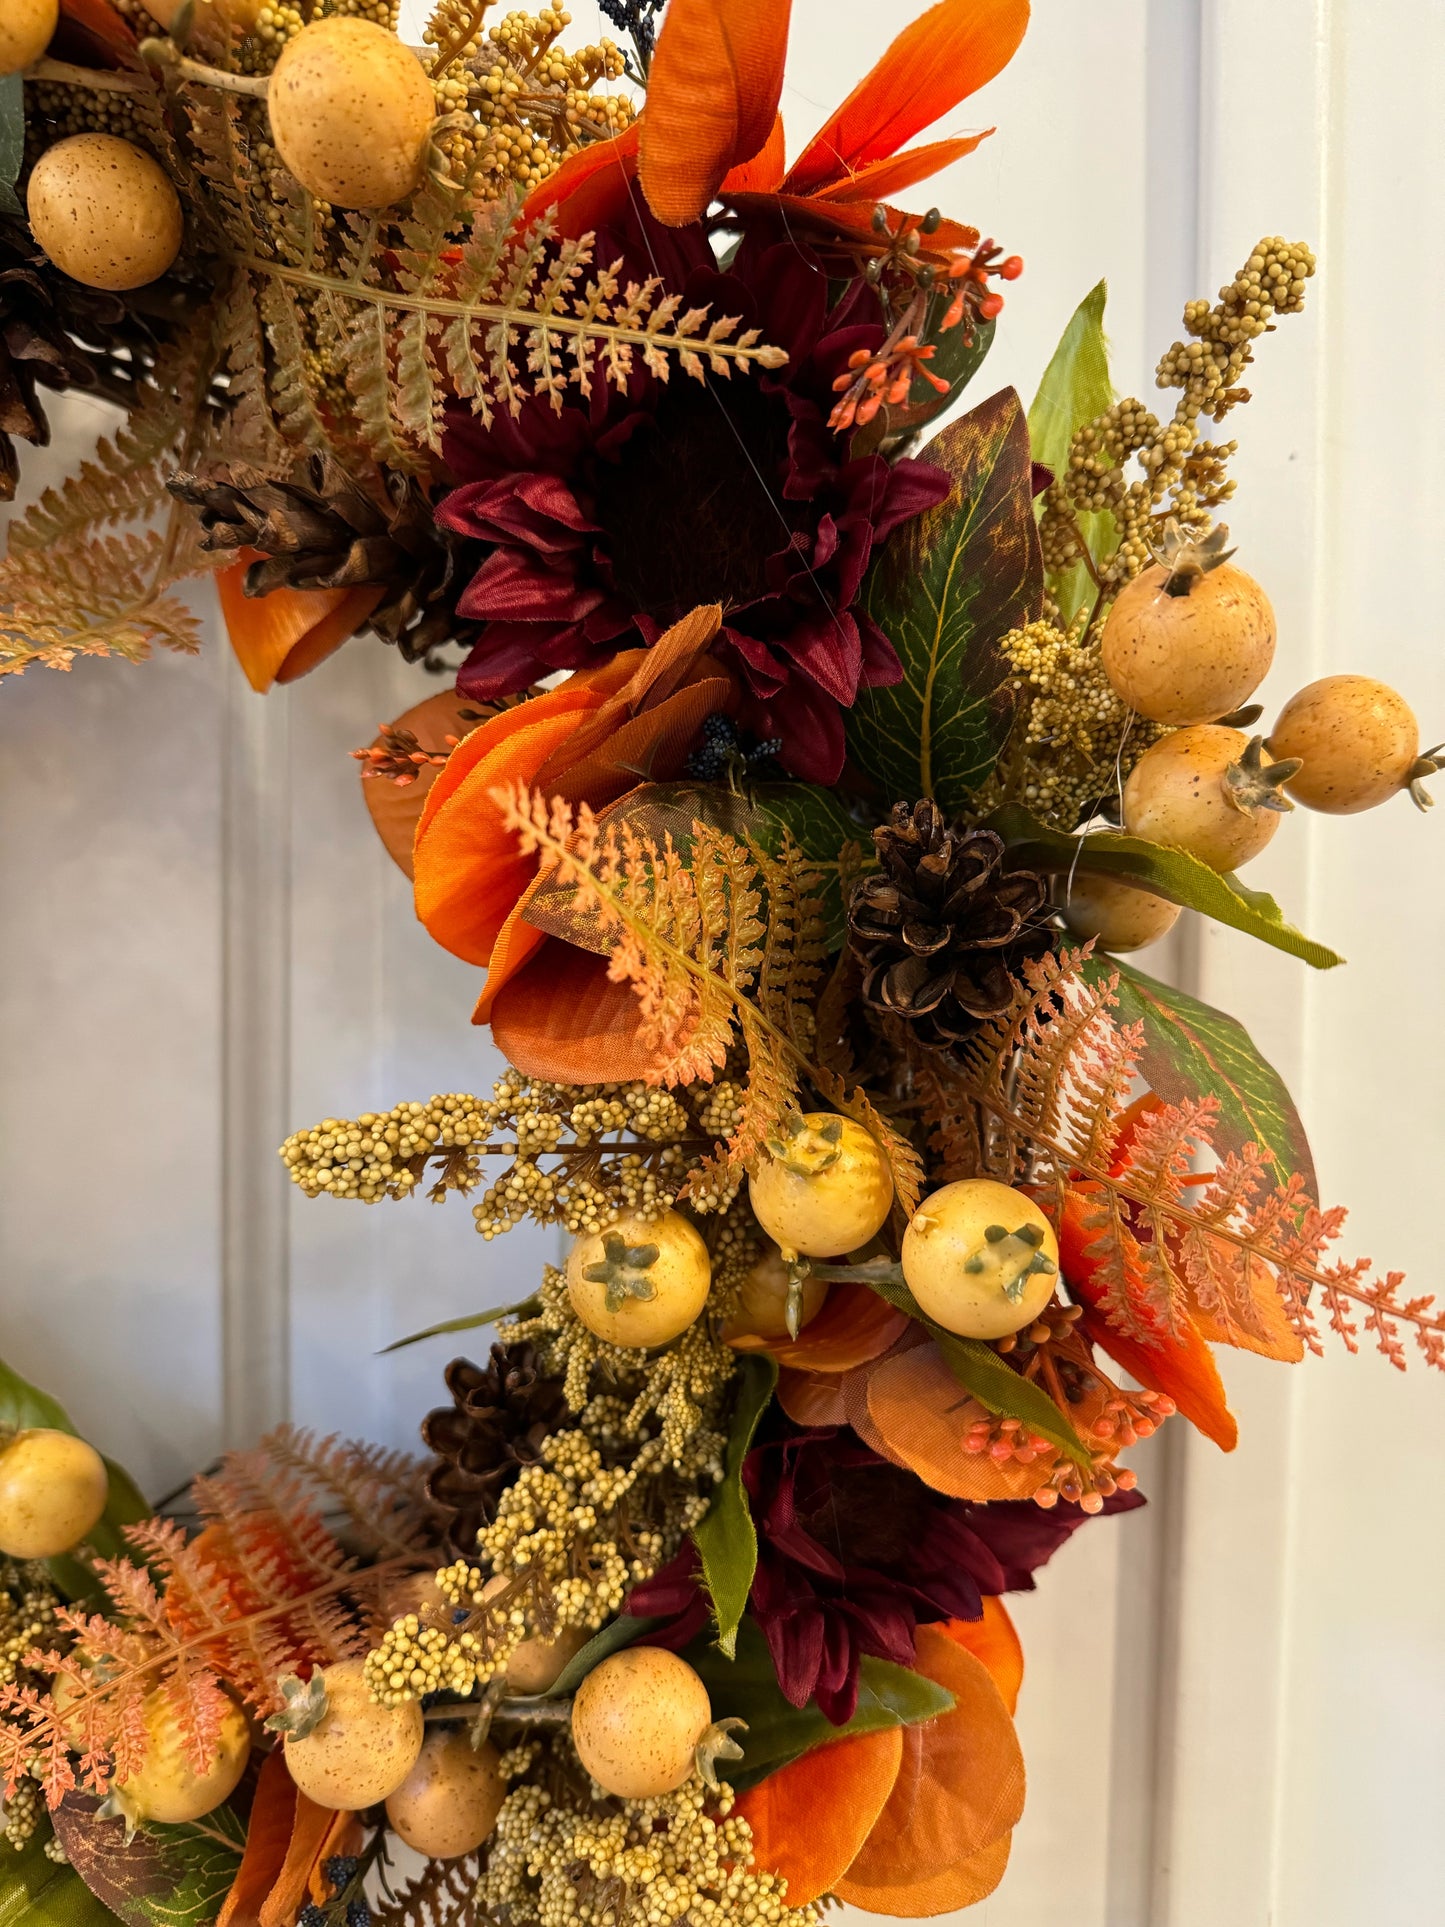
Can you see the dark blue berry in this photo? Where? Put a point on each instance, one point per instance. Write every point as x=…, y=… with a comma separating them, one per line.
x=311, y=1917
x=340, y=1868
x=358, y=1914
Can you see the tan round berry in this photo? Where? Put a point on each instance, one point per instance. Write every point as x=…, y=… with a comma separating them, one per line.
x=642, y=1281
x=1358, y=741
x=167, y=1789
x=1116, y=915
x=1184, y=647
x=26, y=28
x=1177, y=795
x=981, y=1258
x=360, y=1752
x=351, y=109
x=448, y=1804
x=824, y=1190
x=537, y=1664
x=762, y=1308
x=53, y=1489
x=636, y=1721
x=104, y=211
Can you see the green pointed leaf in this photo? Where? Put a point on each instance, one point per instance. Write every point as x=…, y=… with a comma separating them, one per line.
x=470, y=1321
x=623, y=1631
x=37, y=1892
x=12, y=143
x=747, y=1688
x=947, y=587
x=1167, y=872
x=1075, y=389
x=1193, y=1050
x=166, y=1876
x=958, y=354
x=726, y=1536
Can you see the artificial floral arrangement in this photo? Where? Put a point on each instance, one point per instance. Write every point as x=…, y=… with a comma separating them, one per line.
x=801, y=785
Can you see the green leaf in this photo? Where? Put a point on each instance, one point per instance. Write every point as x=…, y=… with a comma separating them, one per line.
x=469, y=1322
x=747, y=1688
x=958, y=354
x=977, y=1367
x=36, y=1892
x=12, y=143
x=1075, y=389
x=24, y=1405
x=1166, y=871
x=166, y=1876
x=946, y=588
x=1192, y=1050
x=614, y=1636
x=726, y=1536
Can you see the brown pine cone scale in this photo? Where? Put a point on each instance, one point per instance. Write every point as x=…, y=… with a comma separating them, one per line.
x=496, y=1424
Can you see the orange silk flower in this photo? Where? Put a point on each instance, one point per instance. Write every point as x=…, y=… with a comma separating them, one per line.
x=552, y=1009
x=281, y=636
x=912, y=1820
x=711, y=125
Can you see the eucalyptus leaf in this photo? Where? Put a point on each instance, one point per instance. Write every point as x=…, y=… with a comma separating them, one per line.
x=945, y=589
x=470, y=1321
x=747, y=1688
x=725, y=1535
x=1191, y=1048
x=618, y=1633
x=12, y=143
x=1168, y=872
x=36, y=1892
x=164, y=1876
x=1075, y=389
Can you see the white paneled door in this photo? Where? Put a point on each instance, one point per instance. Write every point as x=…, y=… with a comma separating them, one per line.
x=1235, y=1701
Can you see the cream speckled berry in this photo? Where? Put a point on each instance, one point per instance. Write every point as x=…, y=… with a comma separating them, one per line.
x=350, y=110
x=53, y=1489
x=824, y=1192
x=26, y=27
x=642, y=1281
x=360, y=1752
x=1116, y=915
x=104, y=211
x=1357, y=739
x=636, y=1722
x=1176, y=794
x=1189, y=654
x=448, y=1804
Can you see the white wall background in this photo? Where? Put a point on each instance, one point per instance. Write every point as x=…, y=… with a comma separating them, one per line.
x=1235, y=1703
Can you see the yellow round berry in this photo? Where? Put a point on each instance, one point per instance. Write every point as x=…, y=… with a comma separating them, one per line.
x=1116, y=915
x=537, y=1664
x=448, y=1804
x=762, y=1307
x=642, y=1281
x=824, y=1190
x=359, y=1752
x=104, y=211
x=167, y=1789
x=26, y=27
x=53, y=1489
x=1184, y=647
x=637, y=1719
x=351, y=108
x=981, y=1258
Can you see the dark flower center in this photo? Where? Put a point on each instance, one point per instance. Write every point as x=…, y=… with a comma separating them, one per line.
x=870, y=1515
x=693, y=507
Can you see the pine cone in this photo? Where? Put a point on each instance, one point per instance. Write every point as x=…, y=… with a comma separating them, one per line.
x=941, y=927
x=494, y=1426
x=56, y=334
x=321, y=531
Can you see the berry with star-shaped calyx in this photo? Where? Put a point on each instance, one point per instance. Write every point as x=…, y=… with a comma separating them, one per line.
x=823, y=1188
x=640, y=1282
x=981, y=1258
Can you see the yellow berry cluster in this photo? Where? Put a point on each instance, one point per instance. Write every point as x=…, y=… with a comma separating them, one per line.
x=679, y=1858
x=28, y=1603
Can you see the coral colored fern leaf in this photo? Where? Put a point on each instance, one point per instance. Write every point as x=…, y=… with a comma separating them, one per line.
x=1039, y=1100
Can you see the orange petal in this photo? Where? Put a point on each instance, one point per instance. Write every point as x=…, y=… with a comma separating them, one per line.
x=562, y=1019
x=811, y=1398
x=994, y=1640
x=921, y=1413
x=712, y=99
x=280, y=636
x=810, y=1819
x=575, y=697
x=764, y=171
x=517, y=943
x=396, y=808
x=828, y=218
x=937, y=61
x=882, y=178
x=648, y=748
x=960, y=1785
x=962, y=1886
x=591, y=188
x=268, y=1838
x=854, y=1326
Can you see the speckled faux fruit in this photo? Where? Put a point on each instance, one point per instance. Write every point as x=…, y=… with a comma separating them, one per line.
x=637, y=1719
x=824, y=1190
x=1116, y=915
x=52, y=1491
x=448, y=1804
x=351, y=108
x=1357, y=740
x=104, y=211
x=167, y=1789
x=26, y=27
x=762, y=1307
x=1178, y=793
x=537, y=1664
x=1188, y=644
x=360, y=1752
x=981, y=1258
x=640, y=1282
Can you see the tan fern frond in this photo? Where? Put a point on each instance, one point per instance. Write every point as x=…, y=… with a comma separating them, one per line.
x=1038, y=1101
x=380, y=1493
x=443, y=1894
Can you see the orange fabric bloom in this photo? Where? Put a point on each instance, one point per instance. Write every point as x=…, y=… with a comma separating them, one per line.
x=710, y=126
x=281, y=636
x=551, y=1007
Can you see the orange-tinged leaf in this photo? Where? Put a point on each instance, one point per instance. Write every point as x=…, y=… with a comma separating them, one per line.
x=962, y=1886
x=812, y=1398
x=960, y=1785
x=809, y=1820
x=574, y=698
x=712, y=99
x=764, y=172
x=920, y=1411
x=268, y=1839
x=311, y=1829
x=650, y=747
x=881, y=178
x=280, y=636
x=854, y=1326
x=396, y=807
x=343, y=1841
x=937, y=61
x=1277, y=1338
x=1182, y=1368
x=591, y=187
x=993, y=1639
x=562, y=1019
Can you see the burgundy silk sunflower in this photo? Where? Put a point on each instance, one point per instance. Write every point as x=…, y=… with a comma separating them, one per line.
x=608, y=519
